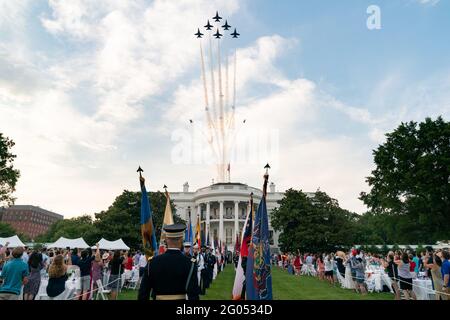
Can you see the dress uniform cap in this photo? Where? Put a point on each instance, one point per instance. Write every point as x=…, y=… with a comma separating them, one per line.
x=187, y=244
x=174, y=230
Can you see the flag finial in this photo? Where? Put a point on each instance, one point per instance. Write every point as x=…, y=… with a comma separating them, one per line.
x=141, y=179
x=266, y=179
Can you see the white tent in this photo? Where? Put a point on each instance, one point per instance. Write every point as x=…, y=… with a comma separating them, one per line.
x=112, y=245
x=14, y=241
x=71, y=243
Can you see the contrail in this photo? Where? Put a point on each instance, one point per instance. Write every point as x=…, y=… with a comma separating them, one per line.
x=208, y=114
x=222, y=128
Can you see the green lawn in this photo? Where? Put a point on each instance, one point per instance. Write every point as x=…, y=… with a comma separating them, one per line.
x=285, y=287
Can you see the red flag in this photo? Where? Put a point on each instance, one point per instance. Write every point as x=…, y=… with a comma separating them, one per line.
x=237, y=246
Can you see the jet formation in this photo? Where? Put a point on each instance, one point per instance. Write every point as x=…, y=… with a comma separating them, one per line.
x=217, y=35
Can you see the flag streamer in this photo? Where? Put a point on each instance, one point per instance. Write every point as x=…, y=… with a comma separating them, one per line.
x=258, y=271
x=147, y=228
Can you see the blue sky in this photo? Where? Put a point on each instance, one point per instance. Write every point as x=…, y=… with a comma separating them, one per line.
x=89, y=90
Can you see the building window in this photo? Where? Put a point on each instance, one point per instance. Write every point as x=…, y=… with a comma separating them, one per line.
x=215, y=213
x=228, y=213
x=215, y=234
x=229, y=235
x=271, y=237
x=203, y=214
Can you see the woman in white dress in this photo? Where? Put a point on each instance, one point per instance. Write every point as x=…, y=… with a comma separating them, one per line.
x=348, y=281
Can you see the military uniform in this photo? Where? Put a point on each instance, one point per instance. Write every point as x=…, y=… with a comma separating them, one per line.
x=187, y=246
x=170, y=276
x=210, y=261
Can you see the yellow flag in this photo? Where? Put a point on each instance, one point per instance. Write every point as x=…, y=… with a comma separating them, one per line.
x=168, y=219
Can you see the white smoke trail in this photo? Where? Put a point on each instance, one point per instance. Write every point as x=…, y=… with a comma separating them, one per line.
x=210, y=138
x=221, y=117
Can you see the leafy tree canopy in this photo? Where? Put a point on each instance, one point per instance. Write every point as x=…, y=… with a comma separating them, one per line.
x=8, y=175
x=411, y=181
x=312, y=224
x=120, y=220
x=6, y=230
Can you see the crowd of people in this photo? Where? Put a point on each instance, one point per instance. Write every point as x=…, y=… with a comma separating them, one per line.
x=23, y=268
x=209, y=261
x=348, y=269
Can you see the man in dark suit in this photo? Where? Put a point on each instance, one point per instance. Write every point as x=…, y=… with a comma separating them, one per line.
x=172, y=275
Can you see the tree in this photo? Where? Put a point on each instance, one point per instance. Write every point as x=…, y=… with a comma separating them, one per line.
x=70, y=228
x=6, y=230
x=122, y=219
x=411, y=181
x=316, y=224
x=8, y=175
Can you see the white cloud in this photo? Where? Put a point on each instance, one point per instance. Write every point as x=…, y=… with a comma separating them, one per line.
x=12, y=14
x=125, y=51
x=428, y=2
x=75, y=114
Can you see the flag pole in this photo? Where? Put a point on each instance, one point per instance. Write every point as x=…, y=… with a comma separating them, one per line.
x=146, y=238
x=266, y=179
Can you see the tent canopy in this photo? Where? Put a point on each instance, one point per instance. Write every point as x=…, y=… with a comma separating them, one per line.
x=14, y=242
x=71, y=243
x=112, y=245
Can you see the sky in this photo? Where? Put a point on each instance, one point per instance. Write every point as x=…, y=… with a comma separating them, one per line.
x=90, y=90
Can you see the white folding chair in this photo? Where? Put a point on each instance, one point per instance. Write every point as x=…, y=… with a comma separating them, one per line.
x=102, y=291
x=132, y=283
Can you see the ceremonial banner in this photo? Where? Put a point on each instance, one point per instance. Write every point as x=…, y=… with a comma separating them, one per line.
x=147, y=229
x=243, y=253
x=198, y=233
x=237, y=246
x=258, y=273
x=188, y=236
x=202, y=234
x=168, y=219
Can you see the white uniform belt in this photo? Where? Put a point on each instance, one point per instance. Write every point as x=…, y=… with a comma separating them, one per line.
x=171, y=297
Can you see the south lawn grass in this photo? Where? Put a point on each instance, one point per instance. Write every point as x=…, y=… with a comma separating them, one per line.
x=285, y=287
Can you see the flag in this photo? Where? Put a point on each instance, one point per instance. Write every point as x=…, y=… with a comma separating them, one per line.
x=168, y=219
x=247, y=232
x=147, y=228
x=237, y=246
x=258, y=275
x=188, y=236
x=202, y=235
x=198, y=239
x=244, y=241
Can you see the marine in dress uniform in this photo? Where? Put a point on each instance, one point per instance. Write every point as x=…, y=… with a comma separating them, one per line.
x=200, y=266
x=172, y=275
x=210, y=262
x=187, y=250
x=204, y=272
